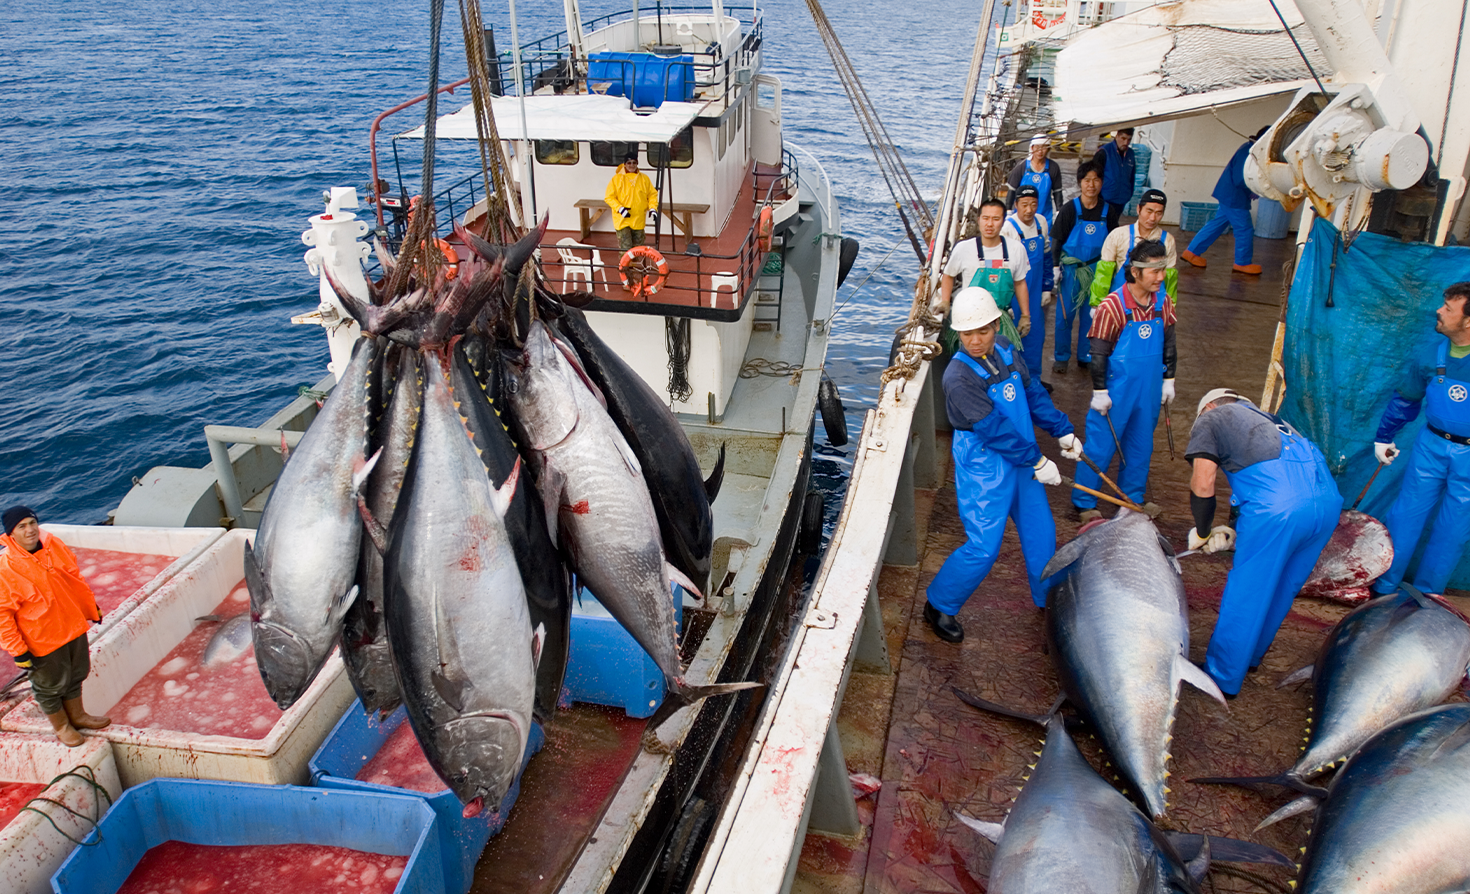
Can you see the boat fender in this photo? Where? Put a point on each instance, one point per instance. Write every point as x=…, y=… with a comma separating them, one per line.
x=834, y=418
x=845, y=256
x=652, y=270
x=809, y=535
x=764, y=227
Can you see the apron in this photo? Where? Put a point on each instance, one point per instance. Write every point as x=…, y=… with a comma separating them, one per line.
x=1084, y=243
x=983, y=479
x=1042, y=181
x=1136, y=367
x=1298, y=474
x=1448, y=400
x=994, y=277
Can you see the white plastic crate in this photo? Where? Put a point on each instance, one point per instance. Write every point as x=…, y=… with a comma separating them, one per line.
x=143, y=638
x=31, y=848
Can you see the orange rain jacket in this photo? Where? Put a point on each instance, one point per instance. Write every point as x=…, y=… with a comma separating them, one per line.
x=44, y=602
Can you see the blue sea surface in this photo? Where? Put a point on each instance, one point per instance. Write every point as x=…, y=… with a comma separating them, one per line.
x=162, y=159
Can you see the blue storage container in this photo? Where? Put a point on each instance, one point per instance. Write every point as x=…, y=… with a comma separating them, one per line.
x=607, y=666
x=647, y=80
x=1272, y=220
x=1194, y=215
x=356, y=740
x=197, y=811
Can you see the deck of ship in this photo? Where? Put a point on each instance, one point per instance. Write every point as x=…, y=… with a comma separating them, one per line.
x=936, y=756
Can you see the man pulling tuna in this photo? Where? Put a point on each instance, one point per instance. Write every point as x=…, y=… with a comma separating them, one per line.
x=993, y=403
x=1289, y=506
x=1440, y=465
x=46, y=609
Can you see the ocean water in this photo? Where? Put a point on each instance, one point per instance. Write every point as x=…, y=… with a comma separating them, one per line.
x=161, y=160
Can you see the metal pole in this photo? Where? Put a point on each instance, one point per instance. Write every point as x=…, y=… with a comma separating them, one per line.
x=515, y=53
x=219, y=437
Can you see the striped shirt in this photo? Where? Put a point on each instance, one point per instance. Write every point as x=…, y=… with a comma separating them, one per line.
x=1108, y=318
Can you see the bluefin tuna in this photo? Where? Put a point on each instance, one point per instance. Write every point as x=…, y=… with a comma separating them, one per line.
x=596, y=497
x=229, y=642
x=1384, y=660
x=1070, y=831
x=1118, y=628
x=1397, y=816
x=463, y=647
x=302, y=566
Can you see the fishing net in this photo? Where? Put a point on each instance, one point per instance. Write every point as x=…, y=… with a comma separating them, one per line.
x=1208, y=57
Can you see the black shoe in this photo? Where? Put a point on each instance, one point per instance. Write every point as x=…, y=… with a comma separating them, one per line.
x=1084, y=364
x=1059, y=367
x=1047, y=386
x=946, y=627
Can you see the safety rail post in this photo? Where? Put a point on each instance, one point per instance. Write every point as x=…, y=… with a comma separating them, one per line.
x=219, y=437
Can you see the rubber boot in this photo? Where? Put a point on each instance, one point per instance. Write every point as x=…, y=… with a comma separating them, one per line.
x=1193, y=259
x=80, y=718
x=64, y=731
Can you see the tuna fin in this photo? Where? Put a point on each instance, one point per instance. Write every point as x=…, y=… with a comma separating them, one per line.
x=450, y=688
x=361, y=470
x=1190, y=673
x=991, y=832
x=1300, y=675
x=688, y=694
x=1301, y=805
x=339, y=606
x=716, y=477
x=1068, y=553
x=506, y=492
x=1199, y=865
x=576, y=363
x=551, y=484
x=629, y=457
x=1426, y=599
x=1224, y=850
x=538, y=639
x=1285, y=780
x=975, y=701
x=214, y=619
x=678, y=577
x=374, y=528
x=260, y=594
x=285, y=449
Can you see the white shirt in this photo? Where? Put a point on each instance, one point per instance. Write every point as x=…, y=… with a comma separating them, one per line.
x=964, y=262
x=1038, y=226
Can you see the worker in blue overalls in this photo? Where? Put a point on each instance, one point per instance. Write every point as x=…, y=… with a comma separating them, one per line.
x=1031, y=230
x=1234, y=213
x=1440, y=465
x=1133, y=362
x=1077, y=240
x=994, y=403
x=1042, y=174
x=1289, y=507
x=1121, y=241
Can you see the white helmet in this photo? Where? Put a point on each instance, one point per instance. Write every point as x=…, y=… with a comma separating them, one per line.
x=973, y=308
x=1214, y=395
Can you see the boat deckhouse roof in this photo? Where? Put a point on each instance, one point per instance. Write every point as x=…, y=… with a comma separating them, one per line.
x=1180, y=59
x=586, y=117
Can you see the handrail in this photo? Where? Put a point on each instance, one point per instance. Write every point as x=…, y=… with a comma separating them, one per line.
x=373, y=137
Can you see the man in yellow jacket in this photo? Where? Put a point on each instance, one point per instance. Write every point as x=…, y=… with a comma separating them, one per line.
x=631, y=196
x=46, y=609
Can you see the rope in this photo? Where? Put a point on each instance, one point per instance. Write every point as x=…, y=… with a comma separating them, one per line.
x=500, y=190
x=1245, y=875
x=90, y=778
x=760, y=366
x=912, y=350
x=677, y=340
x=1299, y=50
x=859, y=286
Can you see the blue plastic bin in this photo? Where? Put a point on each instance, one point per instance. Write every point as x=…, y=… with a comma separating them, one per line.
x=647, y=80
x=198, y=811
x=356, y=740
x=1194, y=215
x=607, y=666
x=1272, y=220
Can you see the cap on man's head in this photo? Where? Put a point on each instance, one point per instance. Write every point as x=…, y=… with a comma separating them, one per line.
x=1215, y=394
x=631, y=156
x=15, y=515
x=1040, y=140
x=1027, y=192
x=1155, y=196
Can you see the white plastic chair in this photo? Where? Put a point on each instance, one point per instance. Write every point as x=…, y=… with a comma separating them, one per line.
x=574, y=266
x=724, y=280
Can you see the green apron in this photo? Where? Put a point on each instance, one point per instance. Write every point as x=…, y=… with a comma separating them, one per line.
x=999, y=283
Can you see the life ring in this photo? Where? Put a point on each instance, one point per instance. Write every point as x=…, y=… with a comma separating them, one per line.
x=763, y=229
x=652, y=270
x=451, y=257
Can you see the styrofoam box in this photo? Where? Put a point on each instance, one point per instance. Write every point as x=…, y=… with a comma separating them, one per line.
x=185, y=543
x=143, y=638
x=231, y=814
x=31, y=847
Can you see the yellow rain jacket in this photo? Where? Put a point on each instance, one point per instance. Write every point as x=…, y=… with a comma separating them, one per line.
x=634, y=192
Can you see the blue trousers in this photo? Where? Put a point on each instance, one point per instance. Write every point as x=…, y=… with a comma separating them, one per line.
x=984, y=516
x=1135, y=425
x=1034, y=341
x=1436, y=468
x=1227, y=218
x=1061, y=344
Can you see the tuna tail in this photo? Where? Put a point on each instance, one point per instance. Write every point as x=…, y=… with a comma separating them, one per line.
x=1285, y=780
x=716, y=477
x=1224, y=850
x=688, y=694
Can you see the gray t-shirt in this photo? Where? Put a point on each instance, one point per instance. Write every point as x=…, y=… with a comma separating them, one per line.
x=1235, y=436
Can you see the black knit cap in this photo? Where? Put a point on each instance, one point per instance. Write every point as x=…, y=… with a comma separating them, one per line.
x=1153, y=195
x=15, y=515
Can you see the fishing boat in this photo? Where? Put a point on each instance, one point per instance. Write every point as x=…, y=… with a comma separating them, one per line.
x=863, y=758
x=725, y=311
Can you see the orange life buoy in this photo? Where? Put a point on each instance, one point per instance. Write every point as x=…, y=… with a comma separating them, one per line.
x=652, y=270
x=763, y=229
x=451, y=257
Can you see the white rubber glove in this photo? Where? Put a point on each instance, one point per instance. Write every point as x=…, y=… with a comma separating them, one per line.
x=1222, y=537
x=1101, y=401
x=1047, y=472
x=653, y=217
x=625, y=211
x=1385, y=452
x=1056, y=273
x=1046, y=299
x=1168, y=392
x=1024, y=327
x=1071, y=447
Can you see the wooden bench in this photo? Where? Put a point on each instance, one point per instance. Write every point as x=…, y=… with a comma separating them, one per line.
x=681, y=214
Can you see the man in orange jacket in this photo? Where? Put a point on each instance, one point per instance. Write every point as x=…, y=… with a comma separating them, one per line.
x=46, y=609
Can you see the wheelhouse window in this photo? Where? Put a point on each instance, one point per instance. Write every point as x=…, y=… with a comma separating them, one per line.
x=679, y=153
x=557, y=152
x=610, y=153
